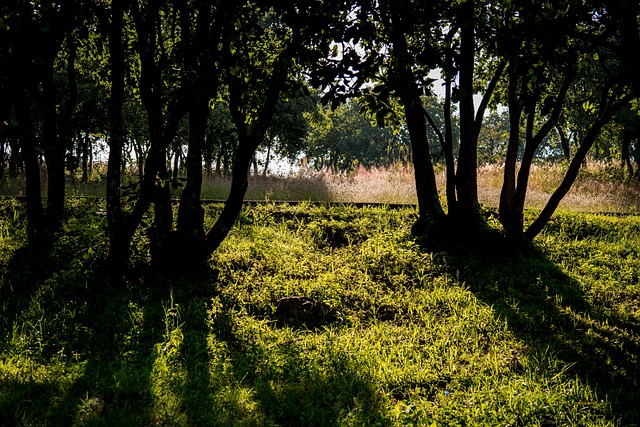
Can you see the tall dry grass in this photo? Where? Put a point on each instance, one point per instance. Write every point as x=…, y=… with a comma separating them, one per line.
x=600, y=187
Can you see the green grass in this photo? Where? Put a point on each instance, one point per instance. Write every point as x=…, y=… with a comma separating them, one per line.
x=414, y=337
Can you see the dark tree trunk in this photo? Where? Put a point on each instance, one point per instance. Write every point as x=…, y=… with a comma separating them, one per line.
x=53, y=148
x=574, y=167
x=163, y=214
x=266, y=161
x=466, y=174
x=2, y=158
x=84, y=143
x=175, y=172
x=119, y=239
x=254, y=162
x=565, y=143
x=35, y=213
x=626, y=154
x=233, y=205
x=15, y=160
x=448, y=149
x=190, y=223
x=249, y=138
x=515, y=192
x=429, y=207
x=508, y=217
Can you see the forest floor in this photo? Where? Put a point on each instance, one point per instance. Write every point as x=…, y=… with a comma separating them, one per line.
x=385, y=332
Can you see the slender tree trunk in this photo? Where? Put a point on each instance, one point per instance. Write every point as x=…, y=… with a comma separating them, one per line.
x=190, y=223
x=429, y=207
x=254, y=162
x=508, y=217
x=15, y=159
x=266, y=162
x=84, y=143
x=53, y=148
x=249, y=139
x=448, y=149
x=175, y=172
x=163, y=214
x=466, y=175
x=626, y=154
x=565, y=143
x=119, y=235
x=35, y=213
x=574, y=167
x=512, y=213
x=140, y=154
x=233, y=205
x=2, y=156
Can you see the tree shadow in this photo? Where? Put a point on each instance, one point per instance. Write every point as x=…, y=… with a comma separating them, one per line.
x=289, y=387
x=550, y=313
x=80, y=349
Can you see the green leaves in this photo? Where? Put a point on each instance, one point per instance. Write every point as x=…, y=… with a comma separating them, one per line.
x=589, y=107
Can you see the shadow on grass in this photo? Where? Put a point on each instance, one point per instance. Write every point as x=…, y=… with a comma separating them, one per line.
x=69, y=352
x=550, y=313
x=153, y=354
x=263, y=382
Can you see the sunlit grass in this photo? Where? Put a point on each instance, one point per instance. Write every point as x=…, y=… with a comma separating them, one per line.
x=414, y=337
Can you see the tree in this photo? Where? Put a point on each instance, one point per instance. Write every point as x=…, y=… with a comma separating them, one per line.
x=287, y=133
x=629, y=139
x=557, y=60
x=40, y=41
x=343, y=137
x=410, y=41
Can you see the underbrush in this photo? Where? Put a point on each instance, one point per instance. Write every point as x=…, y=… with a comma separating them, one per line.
x=407, y=336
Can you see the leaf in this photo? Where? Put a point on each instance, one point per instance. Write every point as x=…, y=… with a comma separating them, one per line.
x=589, y=106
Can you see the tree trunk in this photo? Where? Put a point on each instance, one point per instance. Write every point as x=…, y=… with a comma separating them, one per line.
x=84, y=143
x=565, y=143
x=254, y=162
x=233, y=205
x=15, y=160
x=512, y=212
x=448, y=149
x=508, y=217
x=626, y=154
x=53, y=149
x=466, y=174
x=163, y=215
x=190, y=223
x=119, y=236
x=249, y=139
x=35, y=214
x=429, y=207
x=574, y=167
x=175, y=173
x=266, y=162
x=2, y=158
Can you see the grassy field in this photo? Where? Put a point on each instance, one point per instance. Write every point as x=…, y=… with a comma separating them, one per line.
x=600, y=187
x=398, y=335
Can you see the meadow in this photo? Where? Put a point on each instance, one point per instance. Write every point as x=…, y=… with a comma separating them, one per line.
x=600, y=187
x=399, y=334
